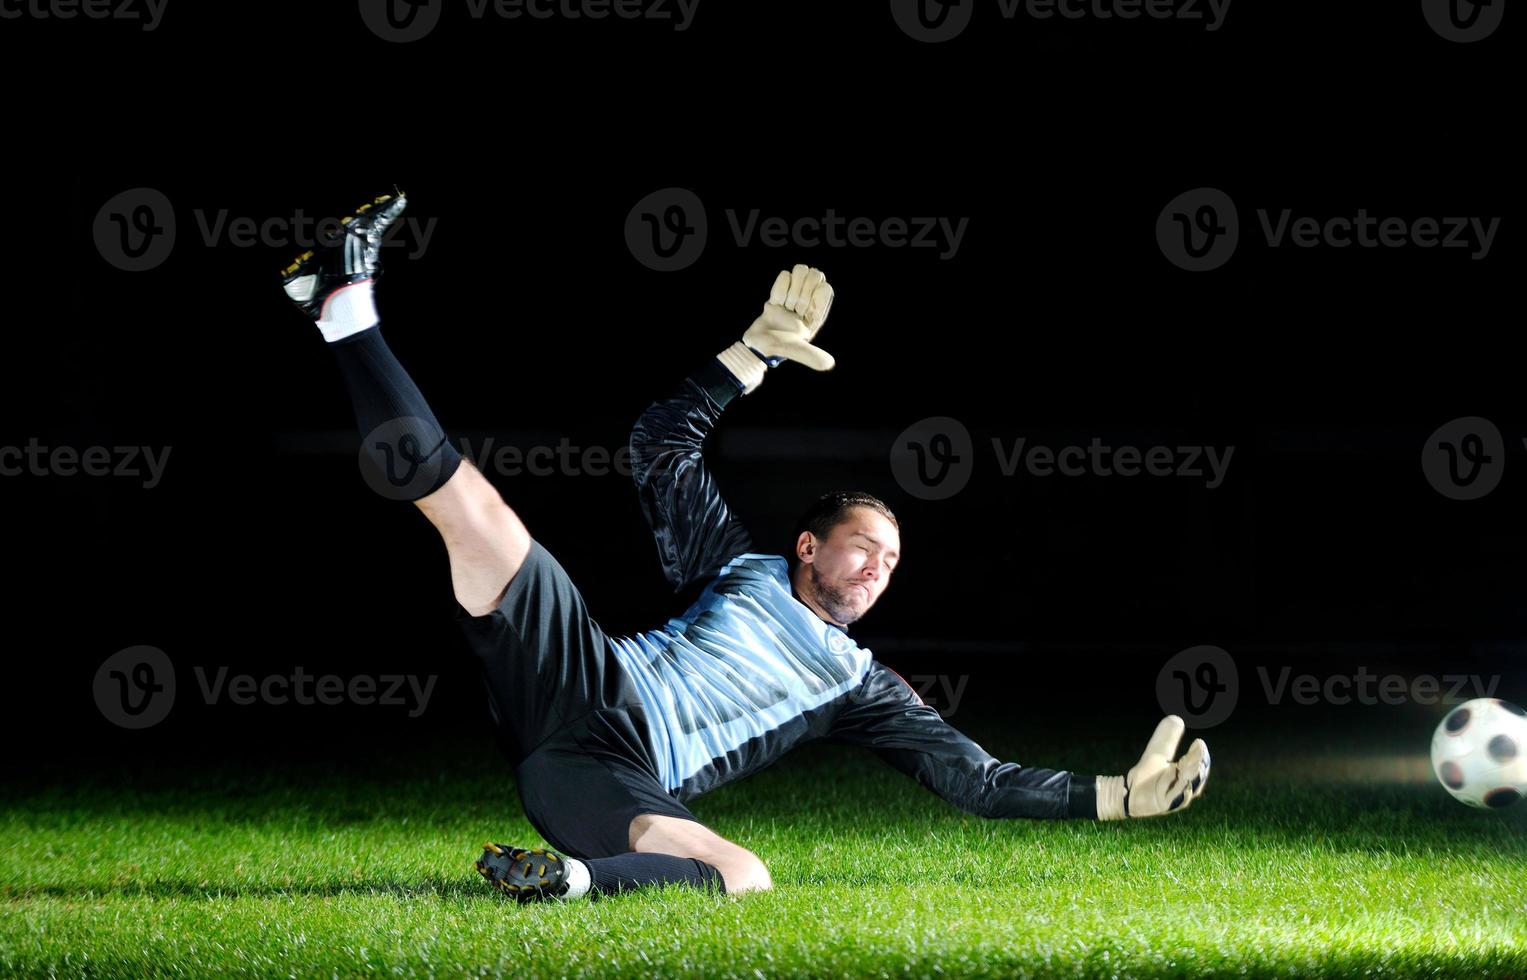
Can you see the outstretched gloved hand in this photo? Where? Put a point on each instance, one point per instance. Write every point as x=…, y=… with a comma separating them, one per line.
x=797, y=308
x=1156, y=784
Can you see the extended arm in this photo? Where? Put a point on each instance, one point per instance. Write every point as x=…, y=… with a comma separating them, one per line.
x=886, y=715
x=695, y=530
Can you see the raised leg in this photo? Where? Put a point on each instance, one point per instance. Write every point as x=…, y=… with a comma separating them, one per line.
x=485, y=539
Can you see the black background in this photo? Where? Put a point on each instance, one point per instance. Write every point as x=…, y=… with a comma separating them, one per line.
x=528, y=319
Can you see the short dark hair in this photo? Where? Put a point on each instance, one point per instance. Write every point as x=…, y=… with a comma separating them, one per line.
x=831, y=509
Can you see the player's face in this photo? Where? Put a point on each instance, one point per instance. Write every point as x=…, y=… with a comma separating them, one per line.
x=848, y=572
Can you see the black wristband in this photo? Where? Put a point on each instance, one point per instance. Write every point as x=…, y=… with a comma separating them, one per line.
x=717, y=381
x=1082, y=799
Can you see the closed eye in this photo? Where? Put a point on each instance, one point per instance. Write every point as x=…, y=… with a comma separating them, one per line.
x=890, y=566
x=869, y=549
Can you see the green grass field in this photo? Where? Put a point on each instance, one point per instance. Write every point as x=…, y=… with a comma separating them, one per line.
x=1349, y=867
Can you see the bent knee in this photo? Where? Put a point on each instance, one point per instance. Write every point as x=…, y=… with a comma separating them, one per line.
x=484, y=538
x=466, y=506
x=742, y=871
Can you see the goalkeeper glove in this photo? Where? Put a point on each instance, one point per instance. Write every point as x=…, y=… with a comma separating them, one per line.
x=1156, y=784
x=797, y=308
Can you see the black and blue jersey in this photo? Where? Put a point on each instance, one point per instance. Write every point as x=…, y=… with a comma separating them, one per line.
x=748, y=671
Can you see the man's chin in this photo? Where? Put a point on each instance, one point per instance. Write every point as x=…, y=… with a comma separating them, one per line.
x=849, y=614
x=845, y=604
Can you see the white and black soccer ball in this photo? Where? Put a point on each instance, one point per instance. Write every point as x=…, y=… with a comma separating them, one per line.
x=1479, y=753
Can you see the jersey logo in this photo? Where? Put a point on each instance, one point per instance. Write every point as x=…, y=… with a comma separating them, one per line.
x=838, y=643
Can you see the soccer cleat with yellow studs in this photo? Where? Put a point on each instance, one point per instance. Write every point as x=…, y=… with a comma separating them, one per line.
x=527, y=875
x=354, y=256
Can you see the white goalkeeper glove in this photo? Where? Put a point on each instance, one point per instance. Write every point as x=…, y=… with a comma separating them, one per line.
x=1156, y=784
x=797, y=308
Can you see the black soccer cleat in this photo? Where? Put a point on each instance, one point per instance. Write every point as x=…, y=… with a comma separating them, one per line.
x=354, y=257
x=525, y=875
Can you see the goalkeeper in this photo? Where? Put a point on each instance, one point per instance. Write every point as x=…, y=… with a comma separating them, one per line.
x=610, y=736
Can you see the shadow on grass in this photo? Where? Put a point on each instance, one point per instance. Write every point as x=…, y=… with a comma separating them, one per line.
x=853, y=797
x=1391, y=819
x=1179, y=962
x=1404, y=822
x=412, y=888
x=339, y=802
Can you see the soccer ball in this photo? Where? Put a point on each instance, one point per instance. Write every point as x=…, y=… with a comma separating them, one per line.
x=1479, y=753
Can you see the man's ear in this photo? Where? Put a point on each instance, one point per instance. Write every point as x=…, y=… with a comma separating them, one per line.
x=805, y=547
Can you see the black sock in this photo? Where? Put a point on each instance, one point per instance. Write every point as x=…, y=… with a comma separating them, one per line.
x=638, y=868
x=405, y=447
